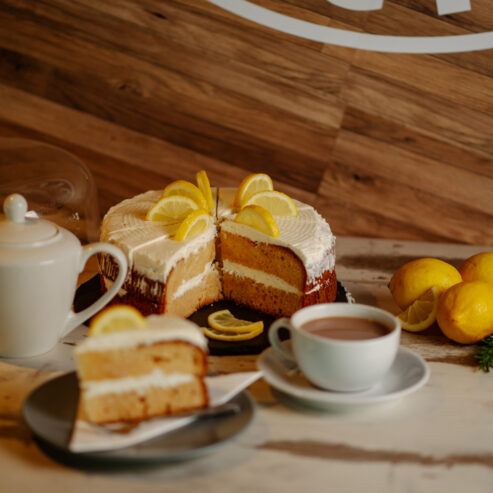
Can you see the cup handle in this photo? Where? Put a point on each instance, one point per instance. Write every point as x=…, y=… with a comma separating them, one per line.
x=75, y=319
x=282, y=323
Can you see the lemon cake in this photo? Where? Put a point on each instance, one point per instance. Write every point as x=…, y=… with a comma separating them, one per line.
x=137, y=374
x=229, y=260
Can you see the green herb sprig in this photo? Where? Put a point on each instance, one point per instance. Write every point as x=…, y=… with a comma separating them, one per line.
x=484, y=353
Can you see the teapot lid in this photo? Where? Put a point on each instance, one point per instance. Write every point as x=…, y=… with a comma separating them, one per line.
x=18, y=231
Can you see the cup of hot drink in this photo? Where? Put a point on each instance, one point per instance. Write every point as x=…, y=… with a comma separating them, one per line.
x=340, y=346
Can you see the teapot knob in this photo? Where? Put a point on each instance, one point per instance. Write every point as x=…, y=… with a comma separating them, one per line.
x=15, y=208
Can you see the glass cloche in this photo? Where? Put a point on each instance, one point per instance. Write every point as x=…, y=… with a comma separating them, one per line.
x=56, y=184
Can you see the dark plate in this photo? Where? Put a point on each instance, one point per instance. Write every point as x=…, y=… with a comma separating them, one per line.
x=50, y=411
x=91, y=290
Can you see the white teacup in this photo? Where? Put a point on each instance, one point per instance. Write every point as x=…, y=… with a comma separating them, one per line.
x=344, y=365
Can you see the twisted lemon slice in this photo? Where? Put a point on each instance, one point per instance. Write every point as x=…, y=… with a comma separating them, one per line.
x=195, y=223
x=277, y=203
x=186, y=189
x=205, y=188
x=115, y=319
x=225, y=321
x=251, y=184
x=258, y=218
x=231, y=336
x=171, y=207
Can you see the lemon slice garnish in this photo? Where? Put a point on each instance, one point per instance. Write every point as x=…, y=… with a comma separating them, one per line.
x=195, y=223
x=277, y=203
x=116, y=319
x=258, y=218
x=225, y=321
x=186, y=189
x=171, y=207
x=421, y=313
x=230, y=336
x=221, y=335
x=205, y=188
x=251, y=184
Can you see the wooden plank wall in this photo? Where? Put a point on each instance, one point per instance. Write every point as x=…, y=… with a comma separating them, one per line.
x=148, y=91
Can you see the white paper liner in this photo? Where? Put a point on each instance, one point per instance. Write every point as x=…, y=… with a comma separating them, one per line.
x=87, y=437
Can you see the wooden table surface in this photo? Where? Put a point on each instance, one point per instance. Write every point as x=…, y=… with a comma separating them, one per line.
x=437, y=439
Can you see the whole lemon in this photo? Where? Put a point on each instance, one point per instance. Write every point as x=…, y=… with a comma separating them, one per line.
x=479, y=267
x=411, y=280
x=465, y=311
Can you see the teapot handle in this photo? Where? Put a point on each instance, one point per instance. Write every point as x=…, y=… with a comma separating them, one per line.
x=75, y=319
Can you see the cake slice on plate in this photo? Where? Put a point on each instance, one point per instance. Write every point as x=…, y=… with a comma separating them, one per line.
x=132, y=375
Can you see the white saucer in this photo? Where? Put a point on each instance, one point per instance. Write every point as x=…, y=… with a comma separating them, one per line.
x=408, y=373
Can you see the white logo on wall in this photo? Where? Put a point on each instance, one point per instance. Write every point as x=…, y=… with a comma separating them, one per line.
x=365, y=41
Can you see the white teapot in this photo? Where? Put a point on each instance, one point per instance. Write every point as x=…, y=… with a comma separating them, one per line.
x=39, y=266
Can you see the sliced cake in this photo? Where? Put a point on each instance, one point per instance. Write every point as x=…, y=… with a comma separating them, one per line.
x=138, y=374
x=276, y=275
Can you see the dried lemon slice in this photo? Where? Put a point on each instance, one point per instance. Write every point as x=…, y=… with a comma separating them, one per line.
x=231, y=336
x=259, y=218
x=225, y=321
x=277, y=203
x=186, y=189
x=251, y=184
x=195, y=223
x=171, y=207
x=422, y=313
x=205, y=188
x=115, y=319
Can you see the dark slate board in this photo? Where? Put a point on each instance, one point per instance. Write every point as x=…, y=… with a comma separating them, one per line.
x=91, y=290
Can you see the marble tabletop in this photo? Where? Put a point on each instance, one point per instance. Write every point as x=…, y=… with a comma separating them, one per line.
x=439, y=438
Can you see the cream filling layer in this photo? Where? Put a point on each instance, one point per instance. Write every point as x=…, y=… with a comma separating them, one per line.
x=135, y=384
x=258, y=276
x=193, y=282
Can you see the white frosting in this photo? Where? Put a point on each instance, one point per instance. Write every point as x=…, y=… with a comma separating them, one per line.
x=148, y=244
x=160, y=328
x=308, y=235
x=138, y=384
x=259, y=276
x=151, y=251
